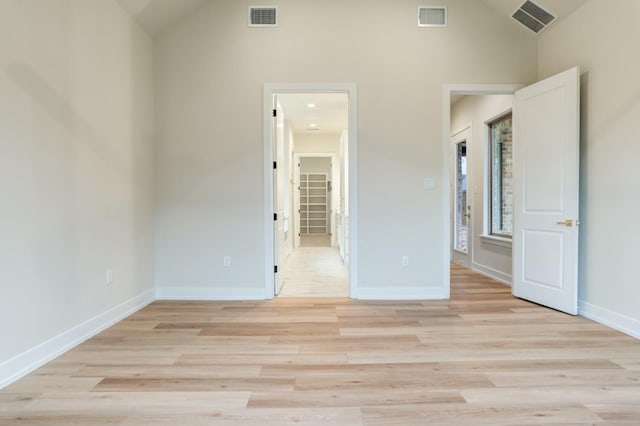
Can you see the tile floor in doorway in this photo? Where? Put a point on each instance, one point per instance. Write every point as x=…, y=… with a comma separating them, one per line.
x=315, y=270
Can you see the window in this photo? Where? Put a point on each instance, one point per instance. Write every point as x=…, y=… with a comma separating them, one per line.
x=501, y=178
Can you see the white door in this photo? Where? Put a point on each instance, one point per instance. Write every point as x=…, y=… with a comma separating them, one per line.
x=278, y=194
x=545, y=166
x=460, y=197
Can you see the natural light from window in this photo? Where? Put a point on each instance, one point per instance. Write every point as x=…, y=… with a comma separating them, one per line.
x=501, y=217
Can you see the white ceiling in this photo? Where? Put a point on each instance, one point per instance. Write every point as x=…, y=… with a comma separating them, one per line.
x=330, y=115
x=331, y=111
x=558, y=8
x=156, y=15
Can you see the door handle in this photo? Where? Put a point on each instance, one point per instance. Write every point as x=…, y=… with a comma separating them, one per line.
x=568, y=222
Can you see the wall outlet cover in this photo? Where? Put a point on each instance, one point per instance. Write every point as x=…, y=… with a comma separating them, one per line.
x=429, y=183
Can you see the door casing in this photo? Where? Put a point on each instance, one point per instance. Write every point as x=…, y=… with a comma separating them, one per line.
x=269, y=90
x=447, y=91
x=472, y=89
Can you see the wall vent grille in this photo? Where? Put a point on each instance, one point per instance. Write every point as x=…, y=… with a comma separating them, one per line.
x=263, y=16
x=432, y=16
x=533, y=16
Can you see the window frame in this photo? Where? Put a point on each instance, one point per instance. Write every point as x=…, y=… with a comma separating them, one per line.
x=489, y=189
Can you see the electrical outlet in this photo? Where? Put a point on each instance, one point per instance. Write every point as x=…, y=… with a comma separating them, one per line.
x=226, y=261
x=109, y=276
x=405, y=261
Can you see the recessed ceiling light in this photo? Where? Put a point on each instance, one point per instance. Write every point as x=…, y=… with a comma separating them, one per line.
x=311, y=105
x=313, y=125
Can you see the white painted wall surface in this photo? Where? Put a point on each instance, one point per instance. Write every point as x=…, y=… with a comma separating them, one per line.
x=317, y=143
x=602, y=38
x=76, y=193
x=316, y=165
x=487, y=257
x=210, y=73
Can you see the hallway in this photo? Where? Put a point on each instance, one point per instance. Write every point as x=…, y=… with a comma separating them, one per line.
x=314, y=272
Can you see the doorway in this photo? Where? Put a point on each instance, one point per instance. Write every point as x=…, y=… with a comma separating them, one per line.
x=467, y=108
x=543, y=169
x=315, y=267
x=461, y=224
x=310, y=144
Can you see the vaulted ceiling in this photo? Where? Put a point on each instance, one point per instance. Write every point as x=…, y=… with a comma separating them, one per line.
x=330, y=113
x=156, y=15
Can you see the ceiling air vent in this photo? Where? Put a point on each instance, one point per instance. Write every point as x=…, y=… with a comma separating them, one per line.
x=533, y=16
x=432, y=16
x=263, y=16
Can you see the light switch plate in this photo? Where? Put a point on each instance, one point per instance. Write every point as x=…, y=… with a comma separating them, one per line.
x=429, y=183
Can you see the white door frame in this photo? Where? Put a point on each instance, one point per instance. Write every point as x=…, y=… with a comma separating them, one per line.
x=296, y=160
x=269, y=90
x=447, y=91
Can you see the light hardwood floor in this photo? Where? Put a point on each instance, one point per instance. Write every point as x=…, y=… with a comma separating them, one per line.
x=481, y=358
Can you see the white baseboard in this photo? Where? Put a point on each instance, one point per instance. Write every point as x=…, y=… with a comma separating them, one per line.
x=401, y=293
x=609, y=318
x=494, y=274
x=24, y=363
x=210, y=293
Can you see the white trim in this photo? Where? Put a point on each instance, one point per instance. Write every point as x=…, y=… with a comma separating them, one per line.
x=24, y=363
x=496, y=241
x=402, y=293
x=269, y=90
x=456, y=134
x=227, y=292
x=447, y=91
x=494, y=274
x=623, y=323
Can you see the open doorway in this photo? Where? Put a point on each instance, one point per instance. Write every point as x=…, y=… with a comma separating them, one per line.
x=481, y=187
x=537, y=219
x=310, y=145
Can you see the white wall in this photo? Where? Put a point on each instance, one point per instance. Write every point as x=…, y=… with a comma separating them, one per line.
x=487, y=257
x=76, y=104
x=211, y=69
x=316, y=165
x=317, y=143
x=602, y=37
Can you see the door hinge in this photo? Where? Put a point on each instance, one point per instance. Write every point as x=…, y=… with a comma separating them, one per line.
x=275, y=216
x=275, y=269
x=275, y=112
x=275, y=165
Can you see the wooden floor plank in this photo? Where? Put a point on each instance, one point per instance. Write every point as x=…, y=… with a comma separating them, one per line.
x=480, y=358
